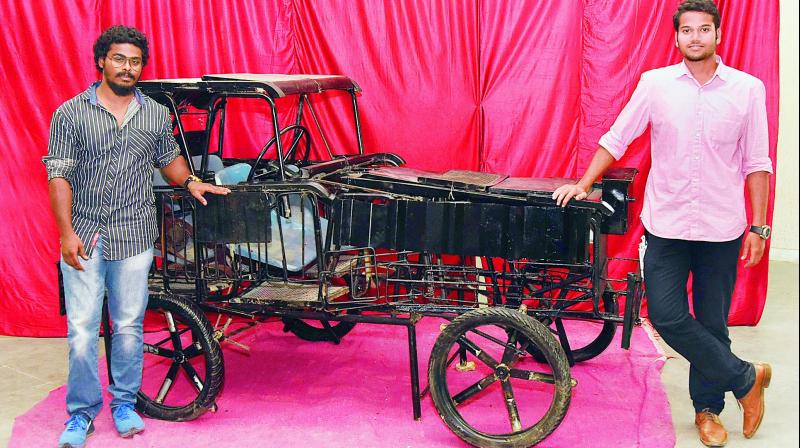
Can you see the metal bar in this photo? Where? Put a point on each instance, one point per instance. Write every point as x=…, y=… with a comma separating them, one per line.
x=276, y=130
x=298, y=131
x=174, y=108
x=632, y=302
x=414, y=364
x=357, y=121
x=562, y=337
x=221, y=135
x=213, y=105
x=319, y=128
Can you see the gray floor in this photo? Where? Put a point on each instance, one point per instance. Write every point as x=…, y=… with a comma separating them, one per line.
x=30, y=368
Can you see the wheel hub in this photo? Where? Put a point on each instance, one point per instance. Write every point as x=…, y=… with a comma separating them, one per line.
x=179, y=357
x=502, y=372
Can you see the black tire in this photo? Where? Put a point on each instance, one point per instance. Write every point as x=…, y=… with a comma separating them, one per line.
x=190, y=348
x=596, y=345
x=526, y=329
x=332, y=332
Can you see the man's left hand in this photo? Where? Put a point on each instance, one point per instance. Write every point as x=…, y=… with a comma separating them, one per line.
x=198, y=189
x=752, y=249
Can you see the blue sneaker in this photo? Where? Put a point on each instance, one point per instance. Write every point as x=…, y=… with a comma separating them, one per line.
x=127, y=420
x=79, y=427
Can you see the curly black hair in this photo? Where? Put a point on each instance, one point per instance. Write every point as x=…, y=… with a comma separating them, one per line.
x=120, y=34
x=706, y=6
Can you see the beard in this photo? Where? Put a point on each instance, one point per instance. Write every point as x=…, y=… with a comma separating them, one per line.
x=121, y=89
x=700, y=57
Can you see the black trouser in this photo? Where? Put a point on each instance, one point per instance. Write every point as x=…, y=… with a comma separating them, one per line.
x=702, y=340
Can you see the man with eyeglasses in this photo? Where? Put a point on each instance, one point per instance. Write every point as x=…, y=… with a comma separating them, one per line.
x=104, y=144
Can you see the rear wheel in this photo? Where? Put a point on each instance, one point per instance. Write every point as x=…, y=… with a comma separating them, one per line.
x=598, y=336
x=183, y=365
x=317, y=330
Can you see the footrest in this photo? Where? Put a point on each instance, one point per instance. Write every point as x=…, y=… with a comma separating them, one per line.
x=342, y=267
x=305, y=294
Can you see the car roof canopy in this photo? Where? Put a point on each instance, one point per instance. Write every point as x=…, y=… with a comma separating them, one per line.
x=273, y=85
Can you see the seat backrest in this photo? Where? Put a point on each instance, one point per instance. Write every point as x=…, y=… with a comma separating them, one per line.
x=232, y=175
x=214, y=165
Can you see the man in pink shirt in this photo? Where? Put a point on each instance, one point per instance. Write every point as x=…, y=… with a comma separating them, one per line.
x=708, y=141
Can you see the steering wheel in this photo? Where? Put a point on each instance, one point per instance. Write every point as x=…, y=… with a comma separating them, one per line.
x=300, y=132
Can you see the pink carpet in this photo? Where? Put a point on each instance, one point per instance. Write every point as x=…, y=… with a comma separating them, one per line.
x=289, y=393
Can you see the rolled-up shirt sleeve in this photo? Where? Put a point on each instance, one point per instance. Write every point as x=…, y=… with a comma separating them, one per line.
x=61, y=148
x=167, y=148
x=754, y=142
x=631, y=122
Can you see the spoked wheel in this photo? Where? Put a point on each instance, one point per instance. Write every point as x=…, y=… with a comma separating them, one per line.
x=595, y=336
x=183, y=366
x=484, y=387
x=318, y=330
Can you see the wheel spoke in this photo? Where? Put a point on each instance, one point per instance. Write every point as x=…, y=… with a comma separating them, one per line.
x=509, y=354
x=452, y=358
x=173, y=331
x=465, y=394
x=497, y=341
x=168, y=382
x=196, y=381
x=511, y=405
x=193, y=350
x=169, y=338
x=158, y=351
x=477, y=351
x=533, y=376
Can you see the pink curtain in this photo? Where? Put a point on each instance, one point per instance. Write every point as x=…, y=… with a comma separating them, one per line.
x=522, y=87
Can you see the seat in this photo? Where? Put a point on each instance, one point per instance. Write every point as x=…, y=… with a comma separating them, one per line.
x=298, y=242
x=214, y=165
x=232, y=175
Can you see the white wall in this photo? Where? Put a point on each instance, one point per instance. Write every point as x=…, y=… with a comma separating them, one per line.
x=785, y=219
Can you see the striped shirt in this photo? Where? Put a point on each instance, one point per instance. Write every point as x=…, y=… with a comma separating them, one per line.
x=110, y=168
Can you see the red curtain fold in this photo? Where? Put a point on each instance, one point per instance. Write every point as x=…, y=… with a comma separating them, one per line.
x=530, y=65
x=44, y=43
x=417, y=63
x=520, y=87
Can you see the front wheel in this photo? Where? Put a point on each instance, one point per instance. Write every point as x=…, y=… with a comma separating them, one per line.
x=183, y=366
x=495, y=395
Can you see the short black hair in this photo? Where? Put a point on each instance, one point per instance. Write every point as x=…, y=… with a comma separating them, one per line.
x=120, y=34
x=706, y=6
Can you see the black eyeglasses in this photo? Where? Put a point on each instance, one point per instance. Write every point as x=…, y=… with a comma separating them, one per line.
x=118, y=61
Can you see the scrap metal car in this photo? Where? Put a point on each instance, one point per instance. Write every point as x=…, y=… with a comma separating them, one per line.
x=359, y=238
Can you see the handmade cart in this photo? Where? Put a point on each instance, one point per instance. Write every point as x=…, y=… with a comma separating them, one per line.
x=358, y=238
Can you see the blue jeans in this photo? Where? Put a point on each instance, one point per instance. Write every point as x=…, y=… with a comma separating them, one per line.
x=126, y=283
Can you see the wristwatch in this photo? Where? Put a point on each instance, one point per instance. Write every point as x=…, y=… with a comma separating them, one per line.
x=763, y=231
x=191, y=178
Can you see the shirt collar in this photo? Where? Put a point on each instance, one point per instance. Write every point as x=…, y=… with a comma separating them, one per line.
x=91, y=94
x=721, y=72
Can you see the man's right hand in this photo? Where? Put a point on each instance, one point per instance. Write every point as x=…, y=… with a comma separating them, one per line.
x=564, y=193
x=71, y=249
